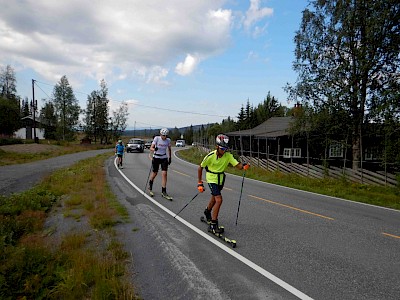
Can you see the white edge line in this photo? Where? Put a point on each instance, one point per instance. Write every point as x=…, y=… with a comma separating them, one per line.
x=219, y=244
x=297, y=190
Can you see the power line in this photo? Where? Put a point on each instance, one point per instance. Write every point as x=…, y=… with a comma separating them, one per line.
x=152, y=107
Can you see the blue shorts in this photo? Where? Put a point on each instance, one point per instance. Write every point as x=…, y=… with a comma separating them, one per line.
x=215, y=189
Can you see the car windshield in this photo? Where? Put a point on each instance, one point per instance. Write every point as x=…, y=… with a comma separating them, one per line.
x=136, y=142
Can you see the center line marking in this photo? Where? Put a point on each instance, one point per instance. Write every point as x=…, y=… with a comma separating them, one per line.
x=292, y=207
x=391, y=235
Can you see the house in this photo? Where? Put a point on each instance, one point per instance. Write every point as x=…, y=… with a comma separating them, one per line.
x=26, y=132
x=269, y=139
x=273, y=140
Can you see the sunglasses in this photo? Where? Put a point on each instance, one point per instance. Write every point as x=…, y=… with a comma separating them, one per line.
x=223, y=148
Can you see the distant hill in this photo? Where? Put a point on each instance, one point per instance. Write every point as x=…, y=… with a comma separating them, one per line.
x=152, y=132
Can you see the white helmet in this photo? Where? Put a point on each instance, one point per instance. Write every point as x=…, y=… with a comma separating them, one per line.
x=164, y=131
x=222, y=140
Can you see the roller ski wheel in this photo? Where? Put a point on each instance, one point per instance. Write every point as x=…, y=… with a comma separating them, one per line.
x=204, y=220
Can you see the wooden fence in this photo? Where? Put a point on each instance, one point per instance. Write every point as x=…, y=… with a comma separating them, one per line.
x=318, y=171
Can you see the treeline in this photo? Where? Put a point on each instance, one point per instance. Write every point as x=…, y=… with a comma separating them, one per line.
x=59, y=117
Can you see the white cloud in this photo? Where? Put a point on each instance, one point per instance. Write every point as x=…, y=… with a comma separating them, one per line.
x=254, y=14
x=187, y=67
x=112, y=39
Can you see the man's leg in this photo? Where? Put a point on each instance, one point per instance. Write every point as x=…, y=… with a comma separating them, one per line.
x=216, y=207
x=164, y=179
x=211, y=203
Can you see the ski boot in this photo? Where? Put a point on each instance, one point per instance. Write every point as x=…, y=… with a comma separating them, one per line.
x=151, y=188
x=214, y=228
x=207, y=213
x=165, y=195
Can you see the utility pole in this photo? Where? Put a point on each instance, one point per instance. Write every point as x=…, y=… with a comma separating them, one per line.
x=34, y=105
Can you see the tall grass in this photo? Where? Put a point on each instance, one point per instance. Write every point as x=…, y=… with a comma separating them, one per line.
x=84, y=264
x=375, y=195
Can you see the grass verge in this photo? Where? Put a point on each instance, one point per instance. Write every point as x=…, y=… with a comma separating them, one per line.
x=77, y=257
x=375, y=195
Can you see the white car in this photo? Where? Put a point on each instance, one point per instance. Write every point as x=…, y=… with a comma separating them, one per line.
x=180, y=143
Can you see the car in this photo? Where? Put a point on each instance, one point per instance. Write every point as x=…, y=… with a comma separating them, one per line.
x=135, y=145
x=147, y=145
x=180, y=143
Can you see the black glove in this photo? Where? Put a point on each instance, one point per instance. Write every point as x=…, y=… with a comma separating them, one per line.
x=156, y=148
x=169, y=160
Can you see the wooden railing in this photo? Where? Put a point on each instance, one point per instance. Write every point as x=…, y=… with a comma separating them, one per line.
x=319, y=171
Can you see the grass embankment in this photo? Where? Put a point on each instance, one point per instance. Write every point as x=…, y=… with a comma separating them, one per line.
x=15, y=154
x=84, y=260
x=375, y=195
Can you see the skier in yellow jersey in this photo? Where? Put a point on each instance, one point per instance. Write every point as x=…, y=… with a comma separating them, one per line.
x=215, y=164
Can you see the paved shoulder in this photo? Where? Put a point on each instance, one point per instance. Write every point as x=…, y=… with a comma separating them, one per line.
x=21, y=177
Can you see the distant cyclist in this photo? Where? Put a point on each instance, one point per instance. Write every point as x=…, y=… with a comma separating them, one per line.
x=161, y=149
x=215, y=164
x=119, y=151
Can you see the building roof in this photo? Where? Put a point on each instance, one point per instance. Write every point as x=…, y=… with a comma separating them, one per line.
x=273, y=127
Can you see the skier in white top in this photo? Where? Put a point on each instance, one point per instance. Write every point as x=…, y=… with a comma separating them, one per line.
x=159, y=148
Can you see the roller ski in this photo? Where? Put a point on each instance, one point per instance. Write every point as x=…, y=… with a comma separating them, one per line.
x=218, y=231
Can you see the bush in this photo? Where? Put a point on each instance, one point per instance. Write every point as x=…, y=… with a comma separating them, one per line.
x=10, y=141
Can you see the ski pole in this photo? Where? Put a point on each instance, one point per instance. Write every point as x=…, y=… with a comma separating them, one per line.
x=187, y=204
x=240, y=197
x=151, y=165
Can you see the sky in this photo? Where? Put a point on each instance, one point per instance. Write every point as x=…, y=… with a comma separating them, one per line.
x=175, y=63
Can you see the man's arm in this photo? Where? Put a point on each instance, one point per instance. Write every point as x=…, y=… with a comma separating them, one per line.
x=200, y=174
x=241, y=166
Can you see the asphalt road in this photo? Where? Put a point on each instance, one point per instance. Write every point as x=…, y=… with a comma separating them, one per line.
x=18, y=178
x=290, y=244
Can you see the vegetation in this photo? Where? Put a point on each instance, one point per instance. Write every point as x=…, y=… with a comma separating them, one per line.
x=59, y=117
x=347, y=58
x=10, y=118
x=75, y=264
x=66, y=108
x=375, y=195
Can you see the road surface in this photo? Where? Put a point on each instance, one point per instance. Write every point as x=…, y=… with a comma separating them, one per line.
x=290, y=244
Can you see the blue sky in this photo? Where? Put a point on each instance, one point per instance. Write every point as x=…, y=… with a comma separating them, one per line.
x=176, y=63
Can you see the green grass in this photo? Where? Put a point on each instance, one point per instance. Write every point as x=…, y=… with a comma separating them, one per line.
x=371, y=194
x=83, y=265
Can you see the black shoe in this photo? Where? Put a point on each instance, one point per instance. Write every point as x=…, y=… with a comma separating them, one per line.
x=207, y=213
x=214, y=228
